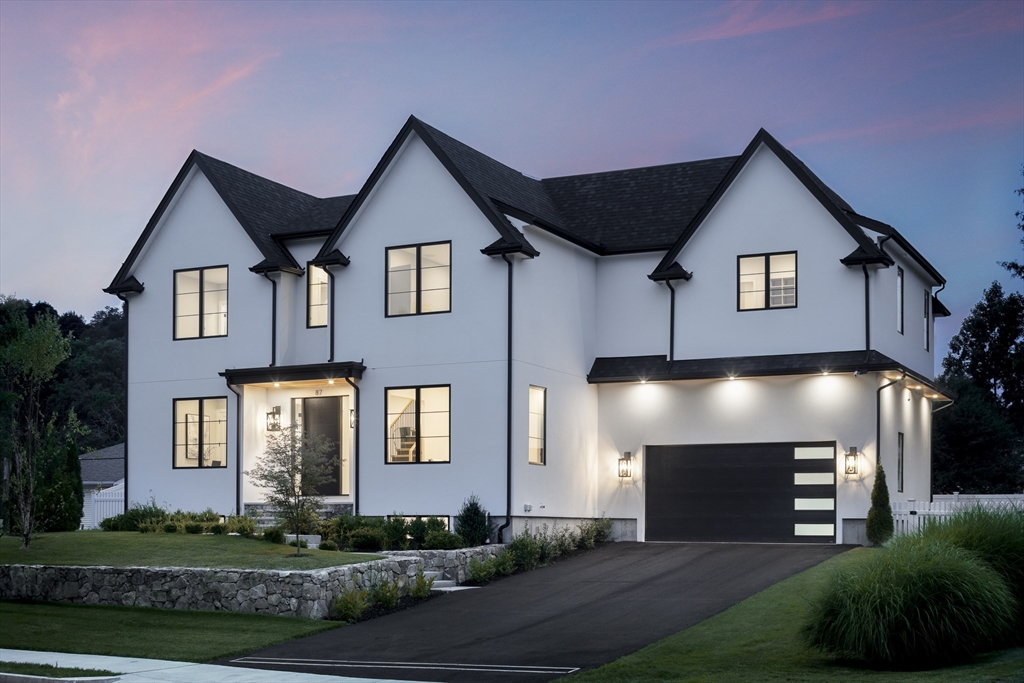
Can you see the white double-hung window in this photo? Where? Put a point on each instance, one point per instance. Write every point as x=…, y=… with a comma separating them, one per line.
x=766, y=281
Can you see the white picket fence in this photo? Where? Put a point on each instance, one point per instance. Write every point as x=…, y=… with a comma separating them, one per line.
x=910, y=516
x=105, y=503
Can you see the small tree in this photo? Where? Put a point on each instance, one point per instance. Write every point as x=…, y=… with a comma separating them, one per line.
x=879, y=523
x=471, y=522
x=59, y=493
x=293, y=465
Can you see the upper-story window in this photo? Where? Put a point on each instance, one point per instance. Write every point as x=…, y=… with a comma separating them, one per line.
x=899, y=299
x=927, y=319
x=201, y=303
x=316, y=296
x=767, y=281
x=419, y=279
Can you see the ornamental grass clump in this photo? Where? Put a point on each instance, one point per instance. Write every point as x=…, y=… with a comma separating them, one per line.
x=915, y=603
x=350, y=605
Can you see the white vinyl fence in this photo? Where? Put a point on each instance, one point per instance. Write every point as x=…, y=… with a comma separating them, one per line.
x=910, y=516
x=105, y=503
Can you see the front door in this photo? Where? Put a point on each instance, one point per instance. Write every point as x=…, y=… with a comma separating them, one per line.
x=322, y=415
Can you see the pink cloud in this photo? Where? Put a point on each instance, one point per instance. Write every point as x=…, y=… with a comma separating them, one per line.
x=754, y=17
x=981, y=19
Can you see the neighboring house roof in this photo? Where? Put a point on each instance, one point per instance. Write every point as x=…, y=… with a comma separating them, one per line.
x=104, y=466
x=659, y=368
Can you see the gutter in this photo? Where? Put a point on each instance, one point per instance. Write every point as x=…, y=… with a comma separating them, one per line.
x=273, y=319
x=355, y=450
x=330, y=311
x=508, y=411
x=124, y=300
x=878, y=417
x=671, y=322
x=238, y=449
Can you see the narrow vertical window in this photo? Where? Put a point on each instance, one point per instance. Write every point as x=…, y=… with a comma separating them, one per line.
x=418, y=279
x=927, y=320
x=316, y=296
x=201, y=303
x=899, y=462
x=418, y=424
x=899, y=299
x=538, y=425
x=200, y=432
x=766, y=281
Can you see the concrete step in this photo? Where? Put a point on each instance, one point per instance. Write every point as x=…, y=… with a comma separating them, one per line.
x=452, y=589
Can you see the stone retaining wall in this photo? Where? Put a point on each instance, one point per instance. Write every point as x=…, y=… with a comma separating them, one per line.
x=307, y=593
x=453, y=564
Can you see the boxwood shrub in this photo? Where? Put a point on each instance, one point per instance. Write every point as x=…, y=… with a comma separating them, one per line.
x=915, y=603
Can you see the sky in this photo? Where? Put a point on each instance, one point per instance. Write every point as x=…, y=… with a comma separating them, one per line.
x=912, y=111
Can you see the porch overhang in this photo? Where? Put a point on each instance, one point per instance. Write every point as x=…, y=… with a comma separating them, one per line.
x=294, y=373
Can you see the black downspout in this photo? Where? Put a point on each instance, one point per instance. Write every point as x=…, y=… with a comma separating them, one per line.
x=330, y=311
x=867, y=310
x=671, y=322
x=355, y=455
x=878, y=418
x=124, y=300
x=508, y=411
x=238, y=450
x=273, y=320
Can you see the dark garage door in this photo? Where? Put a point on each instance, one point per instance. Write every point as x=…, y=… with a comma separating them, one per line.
x=759, y=493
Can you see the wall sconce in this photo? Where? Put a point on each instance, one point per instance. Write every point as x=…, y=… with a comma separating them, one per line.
x=851, y=461
x=626, y=465
x=274, y=419
x=352, y=418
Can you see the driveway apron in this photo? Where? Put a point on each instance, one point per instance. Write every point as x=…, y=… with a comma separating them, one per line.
x=576, y=614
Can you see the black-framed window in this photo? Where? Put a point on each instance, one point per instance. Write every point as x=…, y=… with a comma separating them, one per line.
x=766, y=281
x=899, y=299
x=538, y=425
x=418, y=279
x=927, y=320
x=899, y=462
x=418, y=424
x=316, y=296
x=201, y=302
x=200, y=432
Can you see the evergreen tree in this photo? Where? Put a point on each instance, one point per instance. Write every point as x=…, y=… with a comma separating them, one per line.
x=879, y=523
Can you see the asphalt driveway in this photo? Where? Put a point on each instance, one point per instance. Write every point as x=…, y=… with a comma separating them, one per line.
x=576, y=614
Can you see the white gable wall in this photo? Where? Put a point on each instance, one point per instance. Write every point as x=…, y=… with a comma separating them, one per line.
x=199, y=231
x=298, y=344
x=908, y=348
x=632, y=311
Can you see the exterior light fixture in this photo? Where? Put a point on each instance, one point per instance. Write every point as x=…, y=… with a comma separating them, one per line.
x=330, y=381
x=851, y=460
x=643, y=381
x=825, y=373
x=274, y=419
x=732, y=377
x=351, y=418
x=277, y=384
x=626, y=465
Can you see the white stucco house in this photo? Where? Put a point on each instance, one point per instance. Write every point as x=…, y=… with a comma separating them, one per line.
x=715, y=350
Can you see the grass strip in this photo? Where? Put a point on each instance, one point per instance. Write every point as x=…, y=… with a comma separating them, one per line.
x=50, y=671
x=759, y=640
x=177, y=635
x=132, y=549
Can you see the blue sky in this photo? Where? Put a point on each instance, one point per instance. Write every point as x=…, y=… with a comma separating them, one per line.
x=912, y=111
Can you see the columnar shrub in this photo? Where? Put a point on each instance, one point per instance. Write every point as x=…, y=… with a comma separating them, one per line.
x=417, y=533
x=396, y=533
x=879, y=523
x=916, y=602
x=472, y=522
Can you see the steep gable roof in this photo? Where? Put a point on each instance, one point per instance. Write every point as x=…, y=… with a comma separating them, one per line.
x=265, y=209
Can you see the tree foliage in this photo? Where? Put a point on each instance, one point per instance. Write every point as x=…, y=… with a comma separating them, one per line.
x=293, y=466
x=879, y=523
x=978, y=443
x=1016, y=268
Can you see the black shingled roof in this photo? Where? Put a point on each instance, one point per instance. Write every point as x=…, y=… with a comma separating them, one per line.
x=105, y=466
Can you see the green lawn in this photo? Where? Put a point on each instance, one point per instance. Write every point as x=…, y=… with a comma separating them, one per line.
x=758, y=640
x=132, y=549
x=51, y=671
x=179, y=635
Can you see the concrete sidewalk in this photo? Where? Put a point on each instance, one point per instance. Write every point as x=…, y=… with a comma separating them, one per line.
x=137, y=670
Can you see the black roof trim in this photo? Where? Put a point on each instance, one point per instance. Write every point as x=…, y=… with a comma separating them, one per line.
x=501, y=224
x=335, y=258
x=660, y=369
x=300, y=234
x=268, y=266
x=898, y=238
x=129, y=286
x=939, y=309
x=673, y=272
x=828, y=199
x=555, y=230
x=294, y=373
x=859, y=257
x=500, y=246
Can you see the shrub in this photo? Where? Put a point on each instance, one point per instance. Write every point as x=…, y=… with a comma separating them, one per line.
x=351, y=604
x=879, y=523
x=916, y=602
x=367, y=539
x=241, y=525
x=274, y=535
x=435, y=524
x=546, y=544
x=481, y=571
x=302, y=543
x=170, y=527
x=472, y=522
x=193, y=527
x=328, y=545
x=997, y=537
x=218, y=529
x=421, y=585
x=417, y=533
x=384, y=592
x=525, y=551
x=443, y=540
x=207, y=516
x=137, y=514
x=149, y=528
x=504, y=564
x=396, y=533
x=564, y=541
x=594, y=531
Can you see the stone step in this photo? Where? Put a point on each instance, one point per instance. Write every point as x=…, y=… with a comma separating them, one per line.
x=452, y=589
x=432, y=575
